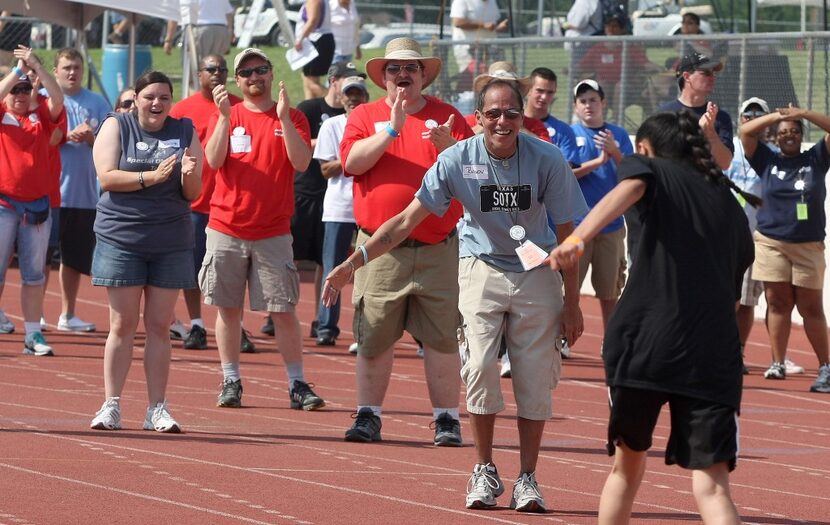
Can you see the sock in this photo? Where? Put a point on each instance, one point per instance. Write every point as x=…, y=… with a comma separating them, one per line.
x=295, y=373
x=197, y=322
x=451, y=411
x=375, y=410
x=230, y=371
x=31, y=327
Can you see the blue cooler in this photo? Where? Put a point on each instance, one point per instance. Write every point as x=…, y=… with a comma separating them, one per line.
x=115, y=67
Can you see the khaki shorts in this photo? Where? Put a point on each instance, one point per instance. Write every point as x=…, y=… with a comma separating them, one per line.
x=410, y=288
x=266, y=266
x=525, y=307
x=606, y=256
x=798, y=263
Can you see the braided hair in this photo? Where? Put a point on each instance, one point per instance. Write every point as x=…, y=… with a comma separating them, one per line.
x=677, y=136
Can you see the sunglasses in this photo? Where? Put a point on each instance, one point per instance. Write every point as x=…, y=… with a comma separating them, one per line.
x=248, y=71
x=753, y=114
x=214, y=69
x=21, y=90
x=394, y=69
x=126, y=104
x=509, y=114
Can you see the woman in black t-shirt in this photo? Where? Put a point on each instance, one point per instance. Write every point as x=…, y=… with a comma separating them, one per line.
x=673, y=336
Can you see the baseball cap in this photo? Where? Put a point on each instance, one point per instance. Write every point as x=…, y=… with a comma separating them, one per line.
x=585, y=85
x=343, y=70
x=694, y=62
x=754, y=101
x=353, y=81
x=249, y=52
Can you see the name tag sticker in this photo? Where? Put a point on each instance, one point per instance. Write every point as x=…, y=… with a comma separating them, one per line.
x=380, y=126
x=240, y=144
x=474, y=171
x=530, y=255
x=172, y=143
x=801, y=211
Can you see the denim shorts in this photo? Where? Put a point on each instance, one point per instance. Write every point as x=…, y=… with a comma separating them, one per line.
x=116, y=267
x=32, y=242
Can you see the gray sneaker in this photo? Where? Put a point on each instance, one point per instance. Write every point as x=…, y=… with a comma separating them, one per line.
x=776, y=371
x=231, y=394
x=484, y=487
x=822, y=383
x=526, y=495
x=447, y=431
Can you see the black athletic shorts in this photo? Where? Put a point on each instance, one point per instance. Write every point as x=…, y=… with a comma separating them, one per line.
x=307, y=229
x=319, y=67
x=703, y=433
x=77, y=238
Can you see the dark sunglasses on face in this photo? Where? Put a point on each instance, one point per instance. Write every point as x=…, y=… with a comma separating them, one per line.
x=509, y=114
x=21, y=90
x=213, y=69
x=126, y=104
x=752, y=114
x=394, y=69
x=248, y=71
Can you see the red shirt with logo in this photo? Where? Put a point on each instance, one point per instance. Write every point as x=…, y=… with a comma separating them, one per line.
x=253, y=197
x=200, y=109
x=533, y=125
x=389, y=186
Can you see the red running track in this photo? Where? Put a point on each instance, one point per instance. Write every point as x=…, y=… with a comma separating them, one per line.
x=265, y=463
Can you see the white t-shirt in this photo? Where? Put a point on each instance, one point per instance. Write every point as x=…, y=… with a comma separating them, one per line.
x=338, y=201
x=344, y=27
x=205, y=12
x=482, y=11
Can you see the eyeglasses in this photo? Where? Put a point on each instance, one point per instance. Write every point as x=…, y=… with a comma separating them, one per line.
x=394, y=69
x=509, y=114
x=248, y=71
x=214, y=69
x=785, y=132
x=126, y=104
x=21, y=90
x=753, y=114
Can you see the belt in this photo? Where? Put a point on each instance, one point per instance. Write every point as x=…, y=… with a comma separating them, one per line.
x=413, y=243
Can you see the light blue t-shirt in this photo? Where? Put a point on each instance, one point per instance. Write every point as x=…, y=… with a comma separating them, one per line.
x=602, y=180
x=563, y=136
x=79, y=184
x=536, y=182
x=744, y=177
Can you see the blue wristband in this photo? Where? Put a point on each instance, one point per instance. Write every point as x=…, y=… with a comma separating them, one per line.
x=18, y=72
x=392, y=133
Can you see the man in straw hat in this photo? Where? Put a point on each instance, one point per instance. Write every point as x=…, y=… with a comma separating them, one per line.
x=511, y=186
x=256, y=146
x=387, y=147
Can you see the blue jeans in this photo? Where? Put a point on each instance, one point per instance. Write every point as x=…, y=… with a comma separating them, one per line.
x=32, y=242
x=336, y=243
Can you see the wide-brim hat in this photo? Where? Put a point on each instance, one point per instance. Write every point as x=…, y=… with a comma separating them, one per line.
x=403, y=49
x=502, y=71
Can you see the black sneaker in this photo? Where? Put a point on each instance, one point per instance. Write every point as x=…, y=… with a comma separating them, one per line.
x=304, y=398
x=325, y=339
x=366, y=427
x=268, y=326
x=231, y=395
x=247, y=346
x=196, y=338
x=447, y=431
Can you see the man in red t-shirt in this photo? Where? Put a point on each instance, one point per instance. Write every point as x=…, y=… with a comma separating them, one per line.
x=213, y=71
x=387, y=147
x=255, y=146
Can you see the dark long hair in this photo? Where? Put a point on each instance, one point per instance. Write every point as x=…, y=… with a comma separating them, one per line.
x=677, y=136
x=152, y=77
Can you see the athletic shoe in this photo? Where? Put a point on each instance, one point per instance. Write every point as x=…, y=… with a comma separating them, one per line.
x=196, y=339
x=792, y=368
x=231, y=394
x=247, y=346
x=268, y=326
x=564, y=349
x=160, y=420
x=484, y=487
x=353, y=348
x=776, y=371
x=366, y=427
x=303, y=397
x=6, y=326
x=109, y=417
x=822, y=383
x=44, y=326
x=526, y=495
x=326, y=339
x=74, y=324
x=447, y=431
x=505, y=366
x=178, y=331
x=35, y=344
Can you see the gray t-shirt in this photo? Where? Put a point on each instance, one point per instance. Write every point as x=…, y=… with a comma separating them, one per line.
x=155, y=219
x=533, y=185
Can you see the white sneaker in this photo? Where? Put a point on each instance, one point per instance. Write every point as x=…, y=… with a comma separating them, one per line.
x=178, y=331
x=74, y=324
x=505, y=366
x=484, y=487
x=526, y=495
x=35, y=344
x=353, y=348
x=44, y=326
x=792, y=368
x=160, y=420
x=109, y=417
x=6, y=326
x=564, y=349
